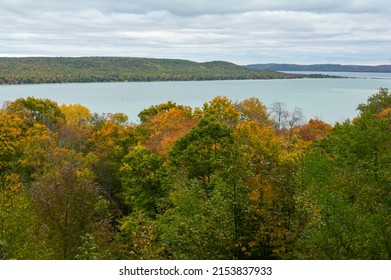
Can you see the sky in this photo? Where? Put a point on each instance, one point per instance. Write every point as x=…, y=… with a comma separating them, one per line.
x=242, y=32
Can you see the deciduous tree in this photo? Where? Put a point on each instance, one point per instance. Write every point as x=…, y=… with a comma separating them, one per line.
x=68, y=205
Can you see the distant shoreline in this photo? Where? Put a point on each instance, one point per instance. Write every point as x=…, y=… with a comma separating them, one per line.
x=320, y=68
x=56, y=70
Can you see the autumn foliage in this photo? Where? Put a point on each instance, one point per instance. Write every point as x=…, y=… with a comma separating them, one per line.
x=225, y=181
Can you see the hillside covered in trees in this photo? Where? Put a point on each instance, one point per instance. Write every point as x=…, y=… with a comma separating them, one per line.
x=226, y=181
x=33, y=70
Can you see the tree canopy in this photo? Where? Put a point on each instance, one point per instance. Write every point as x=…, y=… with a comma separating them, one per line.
x=230, y=180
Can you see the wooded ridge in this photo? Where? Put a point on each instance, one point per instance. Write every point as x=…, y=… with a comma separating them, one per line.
x=34, y=70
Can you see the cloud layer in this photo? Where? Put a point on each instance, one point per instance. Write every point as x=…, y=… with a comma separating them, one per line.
x=249, y=31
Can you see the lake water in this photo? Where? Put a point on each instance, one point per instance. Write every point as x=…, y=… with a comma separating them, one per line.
x=361, y=75
x=332, y=100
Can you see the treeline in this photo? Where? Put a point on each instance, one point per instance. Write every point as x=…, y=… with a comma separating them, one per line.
x=37, y=70
x=225, y=181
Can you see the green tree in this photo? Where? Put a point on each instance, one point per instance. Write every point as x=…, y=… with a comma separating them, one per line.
x=147, y=114
x=208, y=217
x=142, y=174
x=221, y=109
x=89, y=249
x=35, y=110
x=201, y=151
x=376, y=103
x=345, y=191
x=139, y=239
x=18, y=223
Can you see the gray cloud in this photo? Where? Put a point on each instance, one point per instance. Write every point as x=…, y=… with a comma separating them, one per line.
x=249, y=31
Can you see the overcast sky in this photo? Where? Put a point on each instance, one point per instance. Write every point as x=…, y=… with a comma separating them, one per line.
x=243, y=32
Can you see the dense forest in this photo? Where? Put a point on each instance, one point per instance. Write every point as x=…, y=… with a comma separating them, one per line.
x=35, y=70
x=230, y=180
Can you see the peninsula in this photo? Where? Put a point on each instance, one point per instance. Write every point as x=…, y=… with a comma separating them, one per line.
x=38, y=70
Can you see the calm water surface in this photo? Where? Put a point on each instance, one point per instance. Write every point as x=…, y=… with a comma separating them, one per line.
x=332, y=100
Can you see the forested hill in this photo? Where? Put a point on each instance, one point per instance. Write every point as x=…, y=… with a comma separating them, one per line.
x=31, y=70
x=321, y=67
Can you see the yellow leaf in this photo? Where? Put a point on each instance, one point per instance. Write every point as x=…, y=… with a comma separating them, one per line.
x=252, y=244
